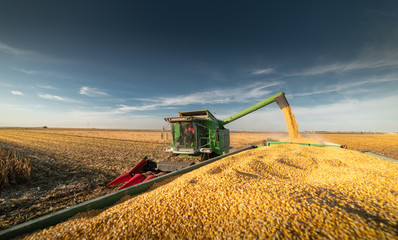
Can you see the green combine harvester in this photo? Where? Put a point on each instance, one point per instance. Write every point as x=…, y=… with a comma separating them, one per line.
x=199, y=132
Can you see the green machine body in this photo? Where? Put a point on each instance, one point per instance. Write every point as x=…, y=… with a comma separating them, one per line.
x=200, y=132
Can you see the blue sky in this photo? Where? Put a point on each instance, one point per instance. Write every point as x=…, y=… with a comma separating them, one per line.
x=129, y=64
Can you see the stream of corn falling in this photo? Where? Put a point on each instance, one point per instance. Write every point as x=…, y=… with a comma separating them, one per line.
x=291, y=123
x=277, y=192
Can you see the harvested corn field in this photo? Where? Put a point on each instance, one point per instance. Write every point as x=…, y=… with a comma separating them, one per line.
x=65, y=170
x=152, y=136
x=284, y=191
x=14, y=167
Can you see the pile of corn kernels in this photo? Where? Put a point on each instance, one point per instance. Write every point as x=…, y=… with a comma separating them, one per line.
x=282, y=191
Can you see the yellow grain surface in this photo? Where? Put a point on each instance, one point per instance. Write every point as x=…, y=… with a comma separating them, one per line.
x=282, y=191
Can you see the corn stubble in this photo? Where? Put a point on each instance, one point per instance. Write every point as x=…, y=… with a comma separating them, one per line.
x=282, y=191
x=14, y=167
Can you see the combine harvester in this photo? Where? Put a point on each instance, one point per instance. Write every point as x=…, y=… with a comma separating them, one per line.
x=199, y=132
x=193, y=133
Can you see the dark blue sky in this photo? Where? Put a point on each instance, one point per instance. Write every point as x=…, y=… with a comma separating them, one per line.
x=128, y=64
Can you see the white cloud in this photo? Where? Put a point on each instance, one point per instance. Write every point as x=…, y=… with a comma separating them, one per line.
x=6, y=84
x=125, y=108
x=349, y=85
x=248, y=93
x=263, y=71
x=92, y=92
x=369, y=59
x=223, y=96
x=43, y=73
x=19, y=93
x=15, y=51
x=28, y=55
x=47, y=87
x=26, y=71
x=57, y=98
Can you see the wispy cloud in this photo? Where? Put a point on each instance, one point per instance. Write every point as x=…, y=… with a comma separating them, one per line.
x=25, y=71
x=6, y=84
x=18, y=93
x=263, y=71
x=15, y=51
x=370, y=59
x=42, y=73
x=30, y=55
x=348, y=85
x=57, y=98
x=47, y=87
x=108, y=112
x=92, y=92
x=241, y=94
x=224, y=96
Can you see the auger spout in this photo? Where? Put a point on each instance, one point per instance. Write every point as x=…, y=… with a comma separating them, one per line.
x=279, y=98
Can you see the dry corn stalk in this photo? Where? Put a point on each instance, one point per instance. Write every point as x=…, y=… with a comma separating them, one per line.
x=14, y=167
x=282, y=191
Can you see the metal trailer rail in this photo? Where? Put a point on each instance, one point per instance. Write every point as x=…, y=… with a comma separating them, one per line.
x=100, y=202
x=270, y=143
x=379, y=156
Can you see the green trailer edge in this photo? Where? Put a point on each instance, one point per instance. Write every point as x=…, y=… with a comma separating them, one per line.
x=380, y=156
x=270, y=143
x=100, y=202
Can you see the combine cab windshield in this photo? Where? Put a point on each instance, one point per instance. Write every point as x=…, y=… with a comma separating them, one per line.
x=184, y=134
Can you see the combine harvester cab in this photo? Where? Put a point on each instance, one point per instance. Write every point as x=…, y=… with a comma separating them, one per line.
x=197, y=132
